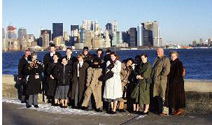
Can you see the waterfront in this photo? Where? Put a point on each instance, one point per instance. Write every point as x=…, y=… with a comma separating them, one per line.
x=198, y=62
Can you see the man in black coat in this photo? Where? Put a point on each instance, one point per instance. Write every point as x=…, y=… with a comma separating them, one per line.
x=87, y=56
x=79, y=80
x=22, y=74
x=70, y=58
x=47, y=60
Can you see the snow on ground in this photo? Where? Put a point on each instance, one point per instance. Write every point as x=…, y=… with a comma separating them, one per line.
x=55, y=109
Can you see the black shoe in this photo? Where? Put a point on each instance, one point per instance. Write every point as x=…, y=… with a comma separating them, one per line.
x=99, y=110
x=113, y=112
x=28, y=106
x=145, y=113
x=121, y=110
x=36, y=106
x=23, y=101
x=65, y=106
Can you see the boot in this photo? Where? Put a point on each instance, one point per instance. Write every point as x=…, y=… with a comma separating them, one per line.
x=179, y=112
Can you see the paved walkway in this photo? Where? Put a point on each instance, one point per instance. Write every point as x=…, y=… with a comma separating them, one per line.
x=17, y=114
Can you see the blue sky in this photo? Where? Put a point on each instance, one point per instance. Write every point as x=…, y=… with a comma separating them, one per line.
x=180, y=21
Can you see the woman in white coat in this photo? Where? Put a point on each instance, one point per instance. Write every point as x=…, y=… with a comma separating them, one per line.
x=113, y=86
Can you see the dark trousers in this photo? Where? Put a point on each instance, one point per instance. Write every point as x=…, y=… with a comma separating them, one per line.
x=23, y=86
x=160, y=103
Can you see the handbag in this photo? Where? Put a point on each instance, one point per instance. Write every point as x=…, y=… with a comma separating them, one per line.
x=107, y=76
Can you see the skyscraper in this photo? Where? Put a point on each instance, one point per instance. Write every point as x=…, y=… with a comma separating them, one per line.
x=11, y=32
x=87, y=25
x=47, y=31
x=140, y=35
x=82, y=35
x=147, y=38
x=45, y=40
x=109, y=28
x=133, y=37
x=154, y=27
x=115, y=26
x=57, y=30
x=74, y=30
x=119, y=37
x=22, y=33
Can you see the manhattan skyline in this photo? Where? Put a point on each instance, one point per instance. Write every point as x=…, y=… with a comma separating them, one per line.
x=180, y=21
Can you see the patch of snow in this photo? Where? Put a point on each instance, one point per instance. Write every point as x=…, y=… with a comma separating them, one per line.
x=57, y=110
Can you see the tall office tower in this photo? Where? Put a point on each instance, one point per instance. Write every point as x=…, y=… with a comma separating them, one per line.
x=11, y=32
x=119, y=37
x=109, y=28
x=46, y=31
x=89, y=35
x=82, y=35
x=115, y=26
x=133, y=37
x=126, y=37
x=140, y=35
x=154, y=27
x=45, y=40
x=22, y=33
x=57, y=30
x=107, y=40
x=74, y=30
x=3, y=33
x=147, y=38
x=87, y=25
x=96, y=26
x=92, y=25
x=114, y=40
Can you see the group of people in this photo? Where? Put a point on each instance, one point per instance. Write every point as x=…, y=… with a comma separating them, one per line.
x=102, y=82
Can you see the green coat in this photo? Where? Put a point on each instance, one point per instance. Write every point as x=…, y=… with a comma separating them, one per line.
x=141, y=93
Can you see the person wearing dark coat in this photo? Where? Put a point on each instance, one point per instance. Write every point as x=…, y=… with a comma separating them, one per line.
x=176, y=91
x=87, y=56
x=22, y=74
x=51, y=80
x=79, y=81
x=47, y=60
x=63, y=74
x=71, y=59
x=34, y=71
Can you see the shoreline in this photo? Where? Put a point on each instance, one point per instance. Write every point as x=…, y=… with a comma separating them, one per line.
x=123, y=49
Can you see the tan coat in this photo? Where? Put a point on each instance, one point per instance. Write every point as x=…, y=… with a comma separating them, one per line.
x=125, y=72
x=160, y=71
x=93, y=86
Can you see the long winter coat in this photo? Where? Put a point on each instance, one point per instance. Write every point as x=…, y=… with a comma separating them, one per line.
x=141, y=93
x=47, y=60
x=52, y=83
x=34, y=84
x=125, y=73
x=63, y=74
x=113, y=86
x=176, y=92
x=82, y=80
x=160, y=71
